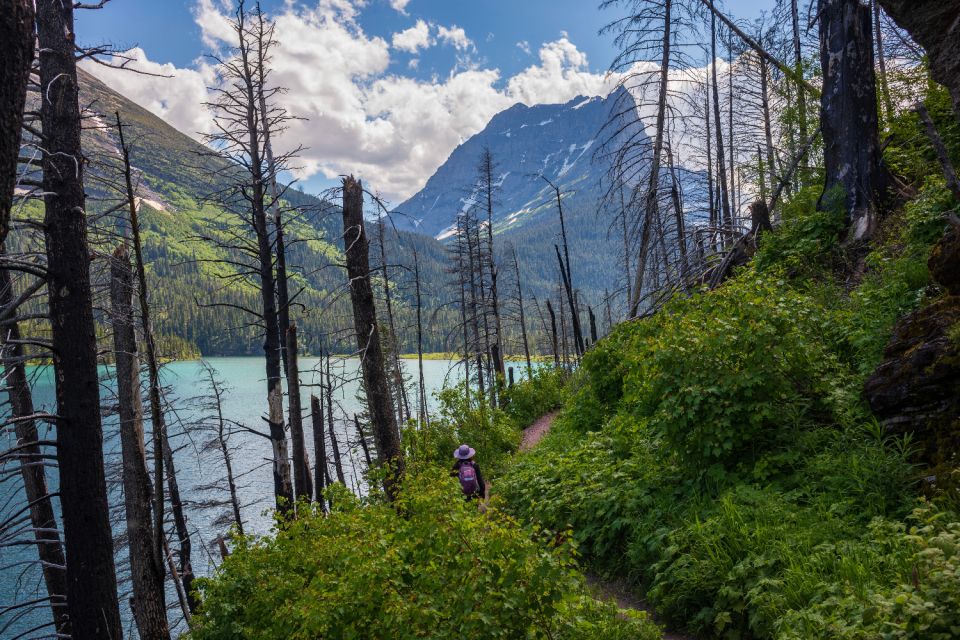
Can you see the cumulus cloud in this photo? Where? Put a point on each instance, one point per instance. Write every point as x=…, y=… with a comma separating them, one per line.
x=563, y=73
x=359, y=116
x=456, y=36
x=524, y=46
x=400, y=5
x=178, y=99
x=412, y=39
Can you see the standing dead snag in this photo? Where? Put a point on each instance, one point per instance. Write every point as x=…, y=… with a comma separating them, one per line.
x=16, y=34
x=356, y=247
x=319, y=449
x=301, y=462
x=42, y=516
x=240, y=137
x=146, y=574
x=158, y=421
x=848, y=115
x=91, y=575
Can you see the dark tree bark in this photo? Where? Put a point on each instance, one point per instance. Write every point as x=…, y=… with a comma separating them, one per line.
x=396, y=368
x=363, y=441
x=935, y=25
x=331, y=428
x=523, y=320
x=319, y=449
x=798, y=70
x=91, y=576
x=16, y=36
x=422, y=386
x=566, y=273
x=487, y=167
x=146, y=575
x=726, y=219
x=157, y=419
x=42, y=516
x=553, y=334
x=848, y=115
x=356, y=248
x=301, y=462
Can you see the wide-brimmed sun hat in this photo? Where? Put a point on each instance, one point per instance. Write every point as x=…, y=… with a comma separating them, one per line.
x=464, y=452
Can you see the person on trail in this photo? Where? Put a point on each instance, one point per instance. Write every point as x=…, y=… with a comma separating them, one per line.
x=468, y=472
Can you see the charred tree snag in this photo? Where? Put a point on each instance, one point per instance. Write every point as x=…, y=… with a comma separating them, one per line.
x=16, y=34
x=301, y=462
x=157, y=419
x=331, y=428
x=319, y=449
x=553, y=335
x=92, y=600
x=848, y=115
x=356, y=247
x=146, y=576
x=949, y=172
x=42, y=516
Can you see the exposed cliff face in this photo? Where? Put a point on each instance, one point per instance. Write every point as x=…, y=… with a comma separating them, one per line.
x=916, y=389
x=934, y=24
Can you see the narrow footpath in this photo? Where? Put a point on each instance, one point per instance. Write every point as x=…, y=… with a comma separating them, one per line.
x=617, y=589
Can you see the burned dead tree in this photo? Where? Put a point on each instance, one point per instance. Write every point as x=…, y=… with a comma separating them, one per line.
x=382, y=417
x=146, y=573
x=16, y=34
x=92, y=600
x=239, y=136
x=31, y=457
x=854, y=176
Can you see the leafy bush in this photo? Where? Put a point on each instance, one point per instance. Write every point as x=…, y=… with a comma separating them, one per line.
x=529, y=399
x=492, y=432
x=432, y=568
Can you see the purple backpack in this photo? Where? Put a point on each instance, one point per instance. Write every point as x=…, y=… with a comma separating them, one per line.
x=468, y=479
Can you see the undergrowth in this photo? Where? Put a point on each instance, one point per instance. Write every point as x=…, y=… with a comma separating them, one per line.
x=720, y=455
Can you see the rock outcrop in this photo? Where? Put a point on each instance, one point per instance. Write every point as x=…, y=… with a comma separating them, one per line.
x=916, y=389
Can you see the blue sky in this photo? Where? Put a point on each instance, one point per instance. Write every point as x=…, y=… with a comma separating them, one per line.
x=395, y=104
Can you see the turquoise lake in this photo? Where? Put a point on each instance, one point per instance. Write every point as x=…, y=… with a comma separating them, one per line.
x=199, y=464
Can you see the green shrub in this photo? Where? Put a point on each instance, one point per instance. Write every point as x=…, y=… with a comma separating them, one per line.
x=433, y=568
x=492, y=432
x=529, y=399
x=716, y=375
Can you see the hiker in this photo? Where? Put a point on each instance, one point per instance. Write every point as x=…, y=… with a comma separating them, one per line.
x=468, y=471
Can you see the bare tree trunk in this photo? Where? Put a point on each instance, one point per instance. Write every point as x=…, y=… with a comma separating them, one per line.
x=798, y=70
x=147, y=577
x=487, y=167
x=626, y=246
x=363, y=441
x=767, y=123
x=16, y=34
x=423, y=417
x=91, y=576
x=161, y=439
x=726, y=218
x=331, y=427
x=568, y=276
x=881, y=61
x=301, y=461
x=356, y=248
x=319, y=449
x=714, y=214
x=400, y=394
x=848, y=115
x=553, y=334
x=42, y=516
x=224, y=449
x=523, y=320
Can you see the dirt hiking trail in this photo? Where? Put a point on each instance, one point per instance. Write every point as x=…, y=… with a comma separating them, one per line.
x=616, y=589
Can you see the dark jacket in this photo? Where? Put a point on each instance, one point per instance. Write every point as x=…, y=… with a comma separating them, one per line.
x=481, y=483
